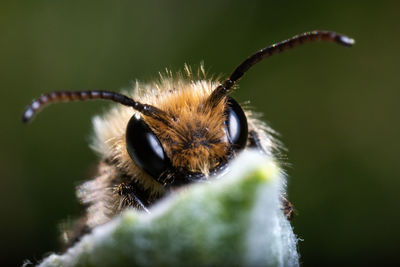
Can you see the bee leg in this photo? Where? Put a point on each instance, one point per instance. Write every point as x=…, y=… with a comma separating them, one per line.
x=128, y=191
x=255, y=140
x=287, y=208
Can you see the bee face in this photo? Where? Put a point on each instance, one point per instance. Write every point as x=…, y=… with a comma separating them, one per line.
x=197, y=140
x=169, y=133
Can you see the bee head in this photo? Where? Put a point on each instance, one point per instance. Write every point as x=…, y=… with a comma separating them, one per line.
x=197, y=138
x=189, y=133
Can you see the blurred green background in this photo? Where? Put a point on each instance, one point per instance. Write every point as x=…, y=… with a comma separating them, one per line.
x=336, y=108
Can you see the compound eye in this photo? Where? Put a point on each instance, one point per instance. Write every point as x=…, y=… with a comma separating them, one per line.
x=236, y=123
x=145, y=149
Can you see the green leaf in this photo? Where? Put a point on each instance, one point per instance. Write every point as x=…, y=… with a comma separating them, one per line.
x=233, y=220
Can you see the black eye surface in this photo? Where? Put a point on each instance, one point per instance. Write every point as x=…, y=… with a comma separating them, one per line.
x=144, y=148
x=236, y=122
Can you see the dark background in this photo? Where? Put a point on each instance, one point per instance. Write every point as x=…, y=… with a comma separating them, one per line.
x=336, y=108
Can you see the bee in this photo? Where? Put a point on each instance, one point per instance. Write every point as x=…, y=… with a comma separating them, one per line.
x=165, y=134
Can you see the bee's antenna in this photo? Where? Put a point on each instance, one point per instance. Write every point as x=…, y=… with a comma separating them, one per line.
x=224, y=89
x=62, y=96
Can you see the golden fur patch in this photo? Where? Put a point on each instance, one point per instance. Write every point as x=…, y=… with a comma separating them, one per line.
x=197, y=139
